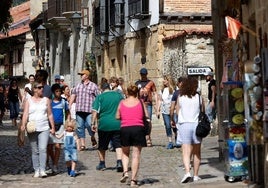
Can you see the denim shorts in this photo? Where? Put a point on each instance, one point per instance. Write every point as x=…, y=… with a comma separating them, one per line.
x=70, y=154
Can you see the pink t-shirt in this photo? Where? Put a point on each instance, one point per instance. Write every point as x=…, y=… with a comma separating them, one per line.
x=131, y=116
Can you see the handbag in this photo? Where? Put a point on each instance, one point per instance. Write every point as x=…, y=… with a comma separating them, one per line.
x=30, y=127
x=146, y=121
x=203, y=128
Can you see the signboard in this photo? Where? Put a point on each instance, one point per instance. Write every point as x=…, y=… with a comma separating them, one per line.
x=198, y=70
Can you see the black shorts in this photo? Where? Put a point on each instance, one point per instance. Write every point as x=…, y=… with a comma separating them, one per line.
x=106, y=136
x=133, y=136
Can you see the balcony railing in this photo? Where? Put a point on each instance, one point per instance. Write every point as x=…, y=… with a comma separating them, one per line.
x=57, y=7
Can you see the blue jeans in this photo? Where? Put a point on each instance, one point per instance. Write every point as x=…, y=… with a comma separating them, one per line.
x=14, y=108
x=83, y=122
x=38, y=142
x=150, y=111
x=211, y=113
x=166, y=118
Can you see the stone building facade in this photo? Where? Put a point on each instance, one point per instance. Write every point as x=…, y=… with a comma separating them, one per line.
x=176, y=36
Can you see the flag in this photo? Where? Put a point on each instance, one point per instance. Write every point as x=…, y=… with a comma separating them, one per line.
x=232, y=26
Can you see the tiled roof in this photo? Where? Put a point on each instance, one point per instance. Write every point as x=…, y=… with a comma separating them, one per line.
x=21, y=19
x=191, y=30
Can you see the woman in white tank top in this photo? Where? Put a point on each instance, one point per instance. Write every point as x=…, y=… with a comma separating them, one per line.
x=38, y=110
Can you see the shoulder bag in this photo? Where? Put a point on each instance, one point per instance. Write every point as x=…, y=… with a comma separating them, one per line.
x=30, y=127
x=203, y=128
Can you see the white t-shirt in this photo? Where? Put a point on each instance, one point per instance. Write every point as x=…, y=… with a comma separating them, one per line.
x=27, y=95
x=166, y=101
x=188, y=109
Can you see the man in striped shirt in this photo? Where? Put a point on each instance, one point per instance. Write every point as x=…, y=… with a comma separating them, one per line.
x=83, y=95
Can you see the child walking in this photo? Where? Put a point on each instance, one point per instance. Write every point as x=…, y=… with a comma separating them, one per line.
x=70, y=146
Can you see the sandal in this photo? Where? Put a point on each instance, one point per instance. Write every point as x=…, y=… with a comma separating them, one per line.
x=124, y=177
x=94, y=142
x=82, y=148
x=149, y=143
x=133, y=183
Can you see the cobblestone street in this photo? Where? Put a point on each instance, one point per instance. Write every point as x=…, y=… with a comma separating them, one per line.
x=159, y=167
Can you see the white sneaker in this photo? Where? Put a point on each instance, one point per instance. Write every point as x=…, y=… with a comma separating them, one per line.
x=36, y=174
x=196, y=178
x=186, y=178
x=43, y=174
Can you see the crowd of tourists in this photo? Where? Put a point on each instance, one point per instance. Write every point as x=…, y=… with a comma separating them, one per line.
x=58, y=118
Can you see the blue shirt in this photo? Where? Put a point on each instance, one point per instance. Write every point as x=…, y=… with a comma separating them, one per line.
x=57, y=110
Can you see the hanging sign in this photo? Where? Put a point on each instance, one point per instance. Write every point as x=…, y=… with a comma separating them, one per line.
x=198, y=70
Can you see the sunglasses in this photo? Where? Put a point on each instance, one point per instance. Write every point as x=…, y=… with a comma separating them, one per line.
x=39, y=87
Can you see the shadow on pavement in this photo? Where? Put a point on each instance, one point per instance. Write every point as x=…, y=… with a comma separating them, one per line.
x=148, y=181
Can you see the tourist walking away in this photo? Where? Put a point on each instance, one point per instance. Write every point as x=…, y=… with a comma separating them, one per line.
x=147, y=90
x=173, y=114
x=42, y=76
x=164, y=103
x=211, y=106
x=71, y=145
x=131, y=111
x=14, y=98
x=2, y=103
x=60, y=112
x=38, y=112
x=83, y=95
x=108, y=127
x=188, y=108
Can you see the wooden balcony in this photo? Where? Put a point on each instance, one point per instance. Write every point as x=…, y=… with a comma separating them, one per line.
x=59, y=11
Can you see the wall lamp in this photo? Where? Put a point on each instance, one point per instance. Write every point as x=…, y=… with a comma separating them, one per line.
x=76, y=20
x=32, y=51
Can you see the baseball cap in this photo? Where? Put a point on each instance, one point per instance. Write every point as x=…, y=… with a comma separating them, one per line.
x=57, y=77
x=84, y=72
x=62, y=77
x=143, y=71
x=209, y=73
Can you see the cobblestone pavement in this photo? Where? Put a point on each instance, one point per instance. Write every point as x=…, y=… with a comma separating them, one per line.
x=159, y=167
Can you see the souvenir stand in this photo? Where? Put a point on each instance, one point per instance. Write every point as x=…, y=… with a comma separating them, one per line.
x=236, y=156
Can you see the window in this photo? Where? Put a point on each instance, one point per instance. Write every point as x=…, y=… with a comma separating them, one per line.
x=117, y=13
x=85, y=17
x=138, y=8
x=16, y=56
x=101, y=18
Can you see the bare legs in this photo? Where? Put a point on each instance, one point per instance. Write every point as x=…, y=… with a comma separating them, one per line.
x=136, y=153
x=197, y=158
x=187, y=151
x=53, y=151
